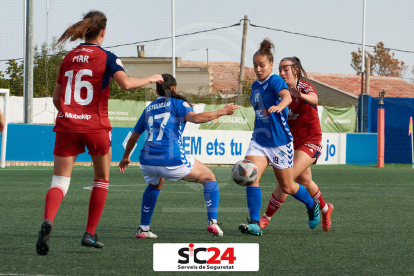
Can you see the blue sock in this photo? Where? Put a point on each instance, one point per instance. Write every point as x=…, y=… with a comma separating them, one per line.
x=211, y=196
x=254, y=202
x=303, y=196
x=149, y=199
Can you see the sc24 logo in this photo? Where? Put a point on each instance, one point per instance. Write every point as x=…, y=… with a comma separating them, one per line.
x=228, y=255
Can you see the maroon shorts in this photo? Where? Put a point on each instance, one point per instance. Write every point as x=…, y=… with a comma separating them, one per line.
x=71, y=144
x=313, y=150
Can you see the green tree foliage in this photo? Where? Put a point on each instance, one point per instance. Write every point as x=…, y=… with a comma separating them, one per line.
x=12, y=78
x=382, y=62
x=47, y=62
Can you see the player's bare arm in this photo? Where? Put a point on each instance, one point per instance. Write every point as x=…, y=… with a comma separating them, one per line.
x=204, y=117
x=286, y=100
x=310, y=98
x=56, y=96
x=2, y=121
x=127, y=83
x=128, y=149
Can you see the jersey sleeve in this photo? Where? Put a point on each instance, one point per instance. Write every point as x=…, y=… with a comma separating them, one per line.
x=279, y=84
x=113, y=63
x=183, y=108
x=140, y=126
x=309, y=89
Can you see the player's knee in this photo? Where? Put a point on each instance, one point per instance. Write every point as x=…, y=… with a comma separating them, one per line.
x=305, y=183
x=288, y=189
x=61, y=182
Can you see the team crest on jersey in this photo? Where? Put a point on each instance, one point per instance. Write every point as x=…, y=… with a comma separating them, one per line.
x=186, y=104
x=256, y=98
x=118, y=61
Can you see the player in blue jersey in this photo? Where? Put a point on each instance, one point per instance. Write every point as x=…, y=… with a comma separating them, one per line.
x=163, y=156
x=272, y=141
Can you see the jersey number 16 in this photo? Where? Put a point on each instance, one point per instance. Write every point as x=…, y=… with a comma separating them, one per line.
x=78, y=86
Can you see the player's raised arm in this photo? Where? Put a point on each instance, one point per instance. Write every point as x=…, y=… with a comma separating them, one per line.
x=204, y=117
x=127, y=83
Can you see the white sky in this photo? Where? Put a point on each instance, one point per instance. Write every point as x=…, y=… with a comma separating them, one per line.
x=130, y=21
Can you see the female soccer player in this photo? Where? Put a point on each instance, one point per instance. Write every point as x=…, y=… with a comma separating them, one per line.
x=304, y=124
x=272, y=141
x=81, y=97
x=163, y=155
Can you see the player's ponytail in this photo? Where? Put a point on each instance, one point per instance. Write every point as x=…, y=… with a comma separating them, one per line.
x=299, y=73
x=90, y=27
x=164, y=89
x=266, y=49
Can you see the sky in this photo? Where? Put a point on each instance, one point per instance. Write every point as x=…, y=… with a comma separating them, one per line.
x=133, y=21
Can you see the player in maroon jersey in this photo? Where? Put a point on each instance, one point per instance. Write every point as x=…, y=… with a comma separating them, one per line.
x=304, y=125
x=81, y=98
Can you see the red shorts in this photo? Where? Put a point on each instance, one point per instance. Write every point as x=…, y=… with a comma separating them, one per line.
x=314, y=151
x=72, y=144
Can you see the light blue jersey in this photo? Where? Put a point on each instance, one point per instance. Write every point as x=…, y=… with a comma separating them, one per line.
x=164, y=121
x=270, y=129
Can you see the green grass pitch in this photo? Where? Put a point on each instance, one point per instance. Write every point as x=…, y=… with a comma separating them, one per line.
x=372, y=224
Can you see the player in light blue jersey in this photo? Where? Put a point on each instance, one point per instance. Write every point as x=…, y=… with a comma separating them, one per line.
x=272, y=141
x=163, y=155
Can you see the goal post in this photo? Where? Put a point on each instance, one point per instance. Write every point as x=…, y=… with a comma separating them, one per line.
x=5, y=93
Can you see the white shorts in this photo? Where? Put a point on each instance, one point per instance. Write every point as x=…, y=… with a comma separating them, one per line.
x=153, y=174
x=279, y=157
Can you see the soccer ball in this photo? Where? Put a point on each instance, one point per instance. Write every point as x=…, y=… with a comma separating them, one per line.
x=244, y=172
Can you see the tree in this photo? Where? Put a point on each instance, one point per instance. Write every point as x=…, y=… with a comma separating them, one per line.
x=382, y=62
x=46, y=65
x=15, y=77
x=46, y=68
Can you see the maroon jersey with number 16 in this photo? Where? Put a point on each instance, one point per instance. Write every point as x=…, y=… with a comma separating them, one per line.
x=85, y=74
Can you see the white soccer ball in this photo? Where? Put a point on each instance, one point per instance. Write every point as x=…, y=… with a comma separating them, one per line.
x=244, y=172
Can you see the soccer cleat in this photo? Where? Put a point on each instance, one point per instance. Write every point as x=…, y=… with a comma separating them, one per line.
x=91, y=241
x=264, y=222
x=253, y=228
x=326, y=218
x=313, y=213
x=42, y=245
x=141, y=234
x=214, y=229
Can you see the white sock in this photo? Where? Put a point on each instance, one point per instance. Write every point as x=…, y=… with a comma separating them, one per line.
x=267, y=216
x=145, y=227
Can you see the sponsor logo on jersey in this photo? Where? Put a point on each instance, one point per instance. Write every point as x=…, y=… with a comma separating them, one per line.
x=292, y=116
x=76, y=116
x=260, y=113
x=264, y=87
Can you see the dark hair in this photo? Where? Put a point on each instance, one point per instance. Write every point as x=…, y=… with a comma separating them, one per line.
x=93, y=22
x=301, y=75
x=164, y=89
x=266, y=49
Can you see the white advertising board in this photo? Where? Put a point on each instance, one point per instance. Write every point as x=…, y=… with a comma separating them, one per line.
x=229, y=146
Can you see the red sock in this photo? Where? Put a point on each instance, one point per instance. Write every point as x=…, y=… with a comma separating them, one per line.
x=96, y=204
x=53, y=199
x=322, y=202
x=273, y=206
